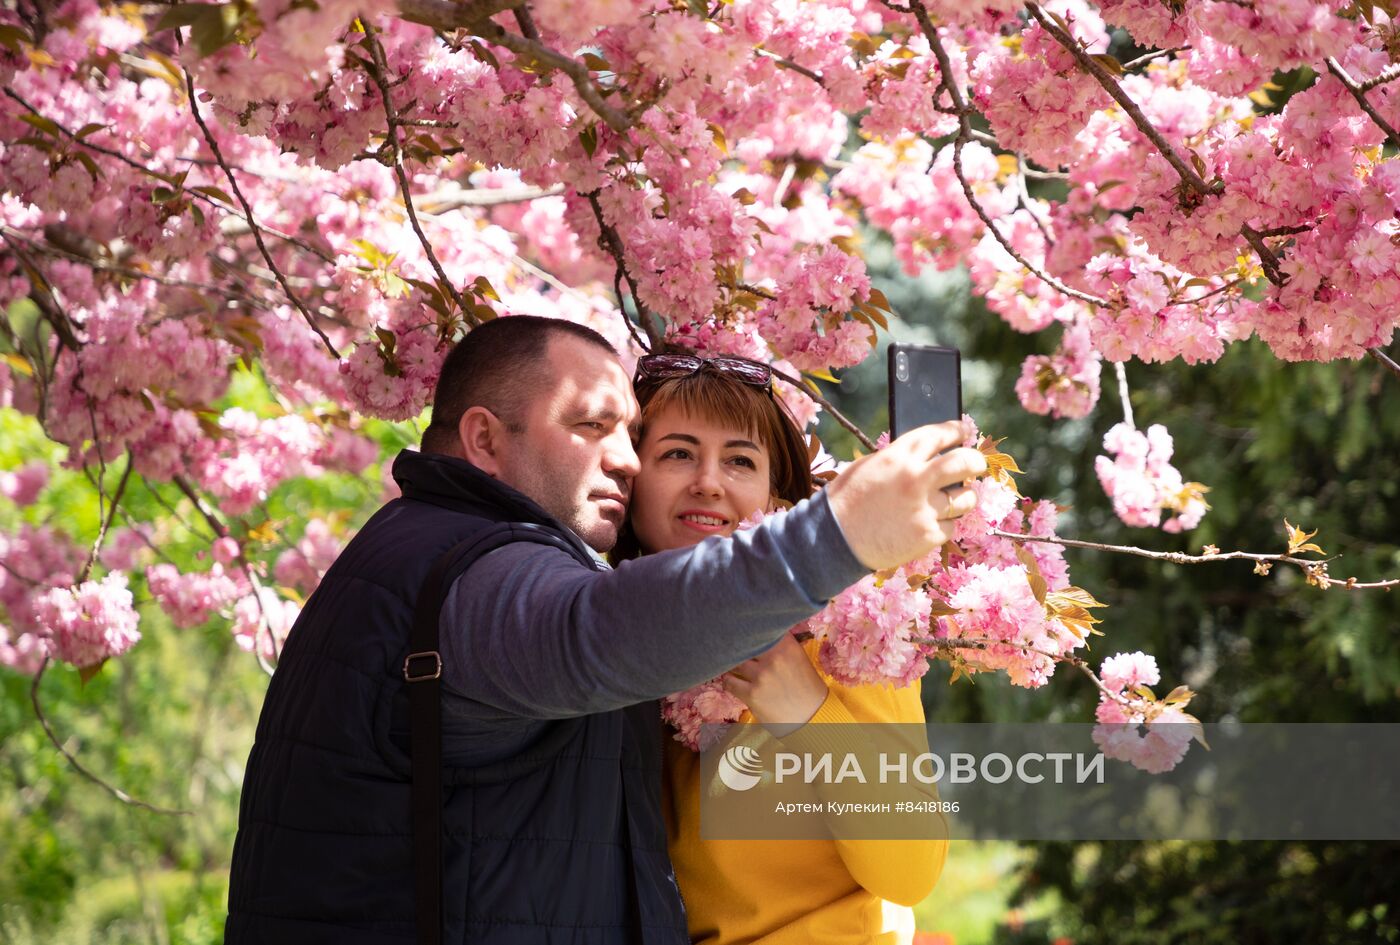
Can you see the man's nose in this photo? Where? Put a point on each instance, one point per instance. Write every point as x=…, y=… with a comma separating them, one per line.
x=620, y=457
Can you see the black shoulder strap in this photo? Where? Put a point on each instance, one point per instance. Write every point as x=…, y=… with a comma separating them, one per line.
x=422, y=671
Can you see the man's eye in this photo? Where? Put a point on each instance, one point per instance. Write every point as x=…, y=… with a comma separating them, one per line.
x=592, y=425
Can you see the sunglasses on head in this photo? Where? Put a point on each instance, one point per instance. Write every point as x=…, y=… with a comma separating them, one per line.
x=662, y=367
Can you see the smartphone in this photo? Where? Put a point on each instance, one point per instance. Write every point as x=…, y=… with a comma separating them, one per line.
x=925, y=386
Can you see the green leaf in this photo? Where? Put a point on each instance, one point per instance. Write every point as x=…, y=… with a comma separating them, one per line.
x=386, y=338
x=1109, y=62
x=183, y=14
x=89, y=129
x=596, y=62
x=86, y=673
x=14, y=37
x=164, y=194
x=482, y=287
x=215, y=29
x=46, y=125
x=214, y=192
x=39, y=144
x=588, y=137
x=89, y=164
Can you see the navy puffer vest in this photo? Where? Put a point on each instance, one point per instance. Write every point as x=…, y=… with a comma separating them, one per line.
x=534, y=849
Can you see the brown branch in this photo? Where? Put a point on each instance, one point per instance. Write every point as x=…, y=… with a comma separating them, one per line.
x=1157, y=54
x=1384, y=360
x=98, y=265
x=1267, y=258
x=1389, y=74
x=77, y=765
x=986, y=643
x=615, y=119
x=379, y=73
x=825, y=404
x=449, y=16
x=434, y=204
x=785, y=63
x=1178, y=557
x=252, y=222
x=1335, y=67
x=965, y=133
x=526, y=22
x=1110, y=85
x=106, y=521
x=222, y=531
x=137, y=165
x=612, y=242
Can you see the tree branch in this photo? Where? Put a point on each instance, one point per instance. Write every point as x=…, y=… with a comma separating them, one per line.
x=222, y=531
x=1384, y=360
x=615, y=119
x=137, y=165
x=106, y=522
x=965, y=133
x=1358, y=93
x=1311, y=568
x=612, y=242
x=379, y=73
x=785, y=63
x=77, y=765
x=1122, y=373
x=1110, y=85
x=836, y=415
x=448, y=16
x=475, y=15
x=252, y=222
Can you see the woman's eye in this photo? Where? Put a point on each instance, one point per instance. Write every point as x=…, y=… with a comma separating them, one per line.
x=744, y=460
x=676, y=454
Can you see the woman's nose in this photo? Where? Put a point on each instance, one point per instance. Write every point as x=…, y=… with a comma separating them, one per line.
x=706, y=482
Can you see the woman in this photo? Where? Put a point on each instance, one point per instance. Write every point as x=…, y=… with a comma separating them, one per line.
x=718, y=446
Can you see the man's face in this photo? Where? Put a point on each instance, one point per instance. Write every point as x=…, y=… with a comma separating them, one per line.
x=575, y=457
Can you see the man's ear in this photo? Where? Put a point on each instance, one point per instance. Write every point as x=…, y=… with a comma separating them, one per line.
x=483, y=439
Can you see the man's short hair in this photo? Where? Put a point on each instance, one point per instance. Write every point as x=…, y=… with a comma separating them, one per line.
x=499, y=365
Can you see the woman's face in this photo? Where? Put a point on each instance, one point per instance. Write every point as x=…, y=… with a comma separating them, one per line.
x=697, y=479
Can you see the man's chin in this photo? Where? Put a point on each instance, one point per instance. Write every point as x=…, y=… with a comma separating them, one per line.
x=599, y=534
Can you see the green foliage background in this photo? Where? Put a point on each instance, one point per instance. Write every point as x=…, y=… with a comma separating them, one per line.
x=1316, y=443
x=172, y=721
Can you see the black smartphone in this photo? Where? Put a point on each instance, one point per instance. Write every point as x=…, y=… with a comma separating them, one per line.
x=925, y=386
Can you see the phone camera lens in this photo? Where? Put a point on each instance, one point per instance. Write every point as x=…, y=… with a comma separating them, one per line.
x=901, y=366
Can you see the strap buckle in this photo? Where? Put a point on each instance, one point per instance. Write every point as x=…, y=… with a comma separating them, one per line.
x=423, y=674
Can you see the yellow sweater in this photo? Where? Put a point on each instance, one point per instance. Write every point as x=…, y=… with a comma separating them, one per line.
x=800, y=892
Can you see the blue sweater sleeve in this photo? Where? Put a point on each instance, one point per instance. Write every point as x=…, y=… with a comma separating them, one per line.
x=530, y=632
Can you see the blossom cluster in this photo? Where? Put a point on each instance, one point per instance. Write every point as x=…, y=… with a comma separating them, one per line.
x=1135, y=727
x=1142, y=482
x=89, y=623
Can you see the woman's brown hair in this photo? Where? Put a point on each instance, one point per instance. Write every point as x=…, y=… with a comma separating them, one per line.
x=723, y=400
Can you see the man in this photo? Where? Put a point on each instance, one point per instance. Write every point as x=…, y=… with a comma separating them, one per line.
x=552, y=662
